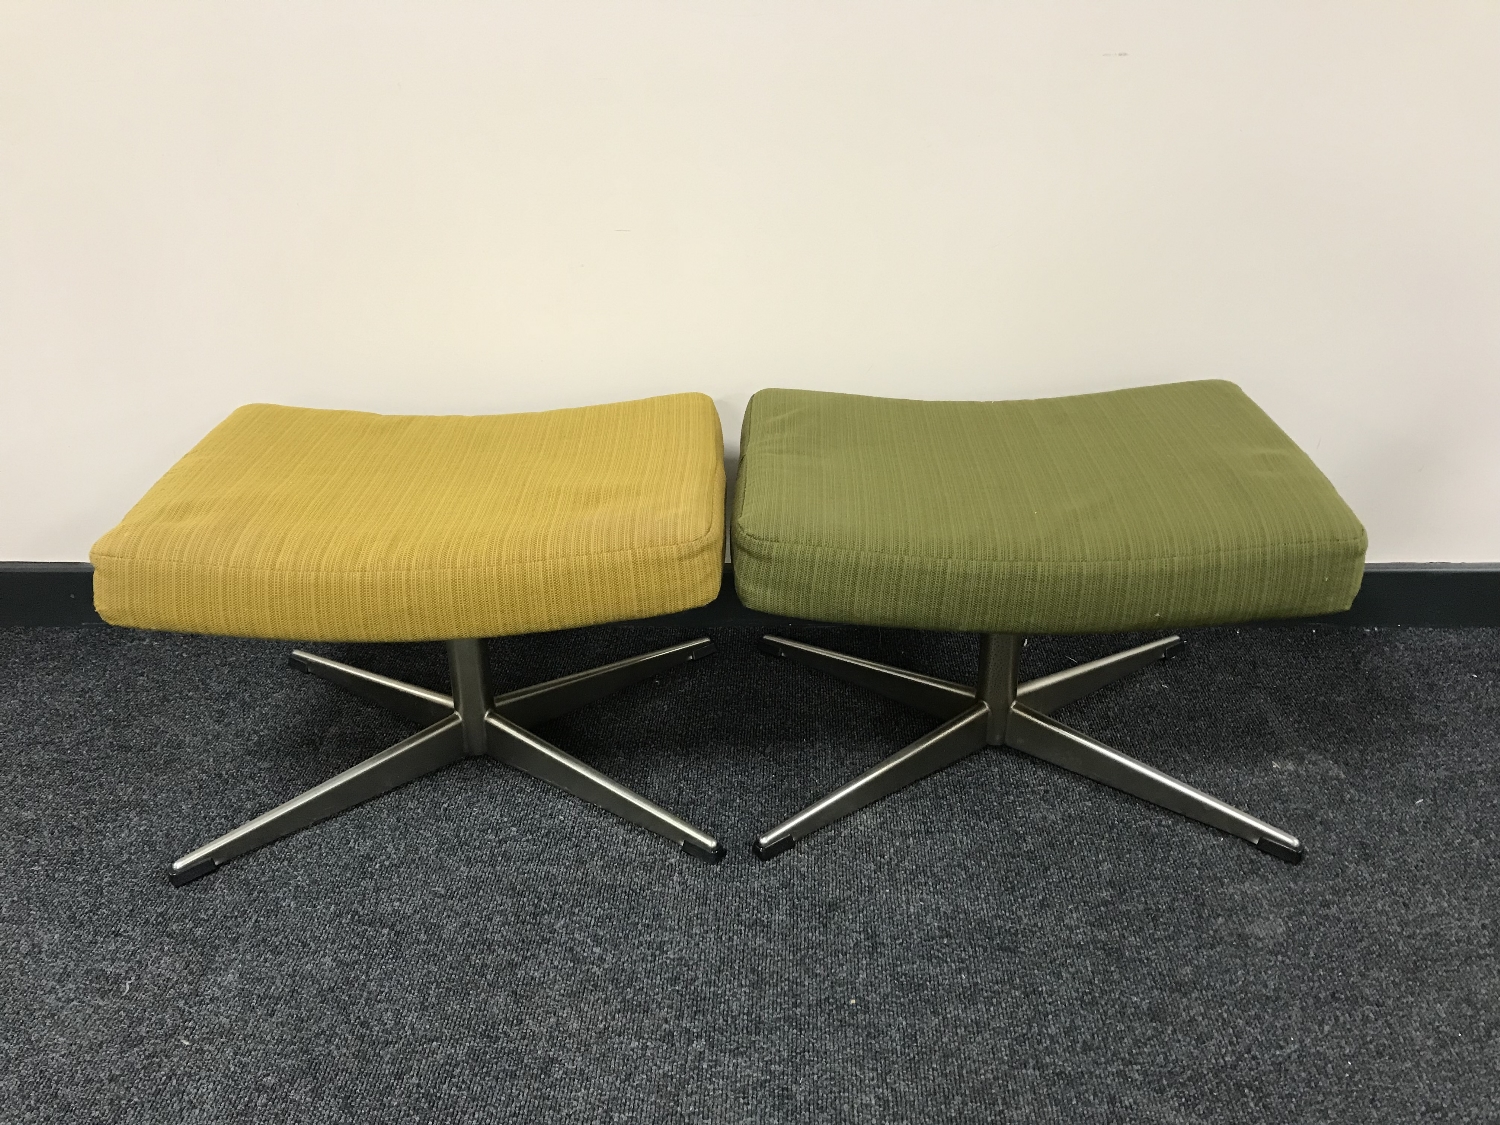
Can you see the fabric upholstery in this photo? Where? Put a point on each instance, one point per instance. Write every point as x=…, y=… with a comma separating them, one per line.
x=337, y=525
x=1161, y=506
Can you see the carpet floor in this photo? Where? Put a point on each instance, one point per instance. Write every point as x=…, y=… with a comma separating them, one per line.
x=1003, y=942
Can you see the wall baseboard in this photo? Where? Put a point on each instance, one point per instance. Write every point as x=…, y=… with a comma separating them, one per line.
x=47, y=593
x=1431, y=594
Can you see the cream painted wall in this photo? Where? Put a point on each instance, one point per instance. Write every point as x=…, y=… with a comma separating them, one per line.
x=477, y=207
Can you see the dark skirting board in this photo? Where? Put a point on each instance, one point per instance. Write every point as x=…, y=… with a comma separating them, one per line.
x=1432, y=594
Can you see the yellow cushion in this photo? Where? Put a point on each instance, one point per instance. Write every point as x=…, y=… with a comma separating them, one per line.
x=343, y=526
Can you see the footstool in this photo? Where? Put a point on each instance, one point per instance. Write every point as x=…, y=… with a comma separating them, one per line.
x=1152, y=508
x=335, y=525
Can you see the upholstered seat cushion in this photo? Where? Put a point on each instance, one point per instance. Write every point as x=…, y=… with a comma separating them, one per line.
x=1158, y=506
x=337, y=525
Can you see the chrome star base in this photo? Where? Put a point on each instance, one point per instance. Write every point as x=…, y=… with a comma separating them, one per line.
x=470, y=723
x=999, y=711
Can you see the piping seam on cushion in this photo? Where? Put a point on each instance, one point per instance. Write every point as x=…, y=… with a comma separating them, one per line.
x=685, y=544
x=1363, y=539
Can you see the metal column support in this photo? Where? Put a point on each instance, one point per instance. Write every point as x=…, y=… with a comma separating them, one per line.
x=999, y=668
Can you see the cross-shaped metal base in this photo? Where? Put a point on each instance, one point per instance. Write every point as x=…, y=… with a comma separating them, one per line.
x=1002, y=712
x=467, y=724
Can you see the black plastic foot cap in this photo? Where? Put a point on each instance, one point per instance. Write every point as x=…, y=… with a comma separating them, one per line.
x=1281, y=851
x=764, y=850
x=707, y=855
x=295, y=661
x=770, y=647
x=188, y=874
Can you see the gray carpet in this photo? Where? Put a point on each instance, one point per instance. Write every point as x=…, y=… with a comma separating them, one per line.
x=1005, y=942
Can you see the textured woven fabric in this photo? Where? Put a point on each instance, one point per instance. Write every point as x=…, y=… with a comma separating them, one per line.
x=337, y=525
x=1159, y=506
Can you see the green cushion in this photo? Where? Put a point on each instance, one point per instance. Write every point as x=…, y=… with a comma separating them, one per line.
x=1153, y=507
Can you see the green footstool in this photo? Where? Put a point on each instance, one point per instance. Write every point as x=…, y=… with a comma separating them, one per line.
x=1152, y=508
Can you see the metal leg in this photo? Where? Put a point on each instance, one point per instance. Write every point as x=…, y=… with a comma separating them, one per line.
x=544, y=701
x=1047, y=693
x=1013, y=716
x=999, y=660
x=926, y=693
x=524, y=751
x=469, y=673
x=462, y=725
x=439, y=745
x=1046, y=738
x=408, y=700
x=954, y=740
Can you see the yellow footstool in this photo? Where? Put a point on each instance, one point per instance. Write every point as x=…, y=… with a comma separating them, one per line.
x=334, y=525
